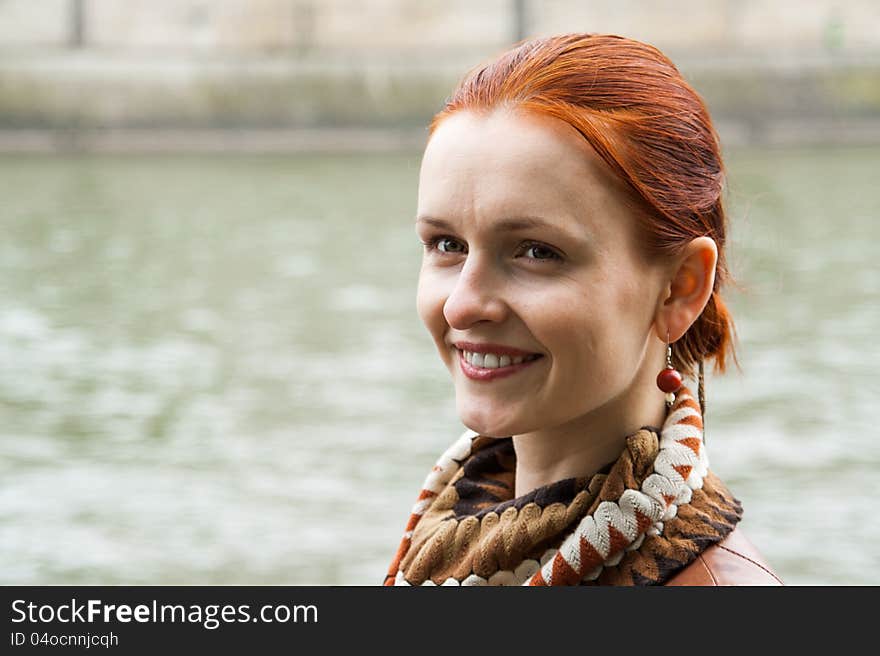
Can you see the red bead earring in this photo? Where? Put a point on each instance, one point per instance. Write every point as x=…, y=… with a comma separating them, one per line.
x=669, y=380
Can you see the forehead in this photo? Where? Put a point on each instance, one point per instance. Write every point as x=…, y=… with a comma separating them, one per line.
x=480, y=167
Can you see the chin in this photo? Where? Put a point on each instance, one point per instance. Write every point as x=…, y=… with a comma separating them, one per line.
x=487, y=432
x=487, y=422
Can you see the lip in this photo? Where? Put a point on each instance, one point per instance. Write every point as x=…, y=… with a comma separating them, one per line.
x=497, y=349
x=478, y=373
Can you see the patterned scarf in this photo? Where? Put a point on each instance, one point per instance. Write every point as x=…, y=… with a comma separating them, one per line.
x=636, y=522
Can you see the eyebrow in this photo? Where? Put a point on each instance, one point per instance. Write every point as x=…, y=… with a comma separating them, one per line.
x=511, y=223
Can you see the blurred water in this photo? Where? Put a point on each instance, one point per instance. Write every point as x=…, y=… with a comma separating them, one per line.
x=213, y=371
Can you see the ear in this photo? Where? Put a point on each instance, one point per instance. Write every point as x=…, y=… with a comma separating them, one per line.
x=688, y=289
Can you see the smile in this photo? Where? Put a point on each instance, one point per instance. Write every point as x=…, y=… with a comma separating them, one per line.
x=488, y=366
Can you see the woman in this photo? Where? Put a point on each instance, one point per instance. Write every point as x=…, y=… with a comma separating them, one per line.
x=570, y=207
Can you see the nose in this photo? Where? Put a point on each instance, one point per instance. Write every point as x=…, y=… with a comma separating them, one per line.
x=476, y=296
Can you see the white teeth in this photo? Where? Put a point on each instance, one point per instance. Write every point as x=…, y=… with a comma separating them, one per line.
x=490, y=360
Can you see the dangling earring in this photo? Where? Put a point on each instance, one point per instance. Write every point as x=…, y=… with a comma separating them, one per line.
x=669, y=380
x=701, y=395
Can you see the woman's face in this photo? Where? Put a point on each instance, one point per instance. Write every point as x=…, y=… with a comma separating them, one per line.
x=531, y=247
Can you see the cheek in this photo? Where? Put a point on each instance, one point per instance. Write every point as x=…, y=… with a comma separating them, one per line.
x=582, y=326
x=565, y=321
x=633, y=304
x=429, y=304
x=627, y=320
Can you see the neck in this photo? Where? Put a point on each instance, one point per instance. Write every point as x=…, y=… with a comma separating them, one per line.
x=584, y=445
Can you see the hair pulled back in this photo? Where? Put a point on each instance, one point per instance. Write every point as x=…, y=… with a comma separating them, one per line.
x=629, y=101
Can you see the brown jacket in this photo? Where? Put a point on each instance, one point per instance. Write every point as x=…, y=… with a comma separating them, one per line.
x=733, y=561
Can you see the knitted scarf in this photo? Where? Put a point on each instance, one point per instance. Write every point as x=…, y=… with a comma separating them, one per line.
x=635, y=522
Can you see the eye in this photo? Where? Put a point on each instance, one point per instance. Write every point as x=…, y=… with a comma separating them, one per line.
x=540, y=252
x=532, y=250
x=444, y=244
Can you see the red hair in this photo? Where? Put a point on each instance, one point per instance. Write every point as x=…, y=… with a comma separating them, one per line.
x=629, y=101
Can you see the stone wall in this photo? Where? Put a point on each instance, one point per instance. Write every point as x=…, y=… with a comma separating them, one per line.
x=75, y=65
x=374, y=27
